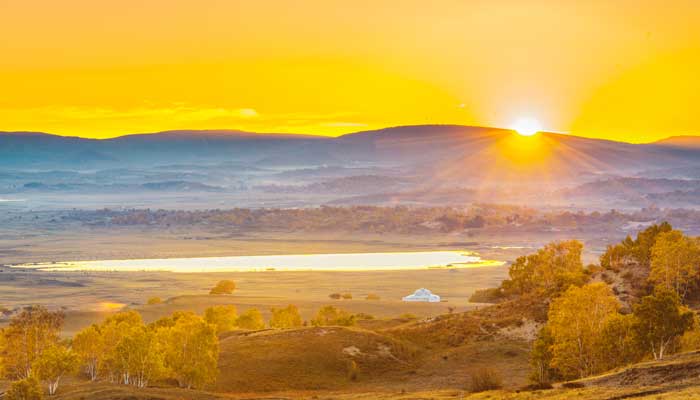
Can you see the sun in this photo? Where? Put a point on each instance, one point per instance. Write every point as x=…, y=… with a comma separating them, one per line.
x=526, y=126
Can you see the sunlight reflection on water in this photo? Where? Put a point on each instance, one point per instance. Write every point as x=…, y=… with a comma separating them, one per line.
x=307, y=262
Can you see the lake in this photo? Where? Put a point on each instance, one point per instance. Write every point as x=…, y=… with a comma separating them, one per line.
x=294, y=262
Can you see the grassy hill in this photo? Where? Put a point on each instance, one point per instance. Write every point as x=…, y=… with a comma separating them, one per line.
x=310, y=359
x=674, y=378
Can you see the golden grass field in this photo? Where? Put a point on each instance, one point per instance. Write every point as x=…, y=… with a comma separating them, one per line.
x=399, y=358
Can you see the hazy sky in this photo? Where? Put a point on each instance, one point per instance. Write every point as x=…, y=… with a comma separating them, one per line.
x=619, y=69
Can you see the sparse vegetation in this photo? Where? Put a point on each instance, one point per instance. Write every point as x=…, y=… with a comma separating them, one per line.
x=332, y=316
x=335, y=296
x=372, y=297
x=347, y=296
x=353, y=370
x=489, y=295
x=485, y=379
x=364, y=317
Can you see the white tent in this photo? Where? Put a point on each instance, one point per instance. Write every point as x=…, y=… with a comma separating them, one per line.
x=422, y=294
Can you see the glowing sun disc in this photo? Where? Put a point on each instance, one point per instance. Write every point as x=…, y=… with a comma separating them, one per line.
x=526, y=126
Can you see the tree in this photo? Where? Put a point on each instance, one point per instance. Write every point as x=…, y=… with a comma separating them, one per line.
x=89, y=345
x=114, y=329
x=549, y=271
x=284, y=318
x=25, y=389
x=223, y=287
x=541, y=357
x=53, y=364
x=690, y=341
x=576, y=319
x=251, y=319
x=29, y=333
x=222, y=317
x=638, y=250
x=154, y=300
x=191, y=350
x=619, y=342
x=646, y=240
x=661, y=319
x=140, y=355
x=330, y=315
x=675, y=262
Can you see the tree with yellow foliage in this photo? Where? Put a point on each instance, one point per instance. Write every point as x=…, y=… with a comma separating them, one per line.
x=140, y=354
x=223, y=287
x=24, y=389
x=29, y=333
x=54, y=363
x=222, y=317
x=114, y=329
x=549, y=271
x=251, y=319
x=330, y=315
x=285, y=318
x=661, y=320
x=675, y=262
x=576, y=320
x=89, y=345
x=191, y=350
x=154, y=300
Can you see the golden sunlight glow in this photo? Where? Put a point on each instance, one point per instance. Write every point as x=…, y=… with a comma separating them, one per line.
x=526, y=126
x=622, y=70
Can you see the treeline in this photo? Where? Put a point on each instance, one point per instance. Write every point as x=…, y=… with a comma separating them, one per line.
x=400, y=219
x=122, y=349
x=587, y=329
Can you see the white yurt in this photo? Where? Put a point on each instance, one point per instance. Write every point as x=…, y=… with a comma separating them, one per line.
x=422, y=294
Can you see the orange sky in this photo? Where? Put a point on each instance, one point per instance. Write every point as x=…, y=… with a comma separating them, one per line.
x=622, y=69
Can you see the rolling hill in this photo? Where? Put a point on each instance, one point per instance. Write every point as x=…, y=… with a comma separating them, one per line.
x=422, y=145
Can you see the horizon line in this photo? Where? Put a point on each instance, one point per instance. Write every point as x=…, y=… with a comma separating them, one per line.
x=322, y=136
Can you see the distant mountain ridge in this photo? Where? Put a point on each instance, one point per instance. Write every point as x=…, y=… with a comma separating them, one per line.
x=448, y=151
x=687, y=141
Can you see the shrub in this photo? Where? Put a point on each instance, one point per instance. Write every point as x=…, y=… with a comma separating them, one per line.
x=25, y=389
x=154, y=300
x=538, y=386
x=408, y=316
x=329, y=316
x=573, y=385
x=372, y=296
x=347, y=296
x=223, y=287
x=364, y=316
x=353, y=370
x=335, y=296
x=490, y=295
x=485, y=379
